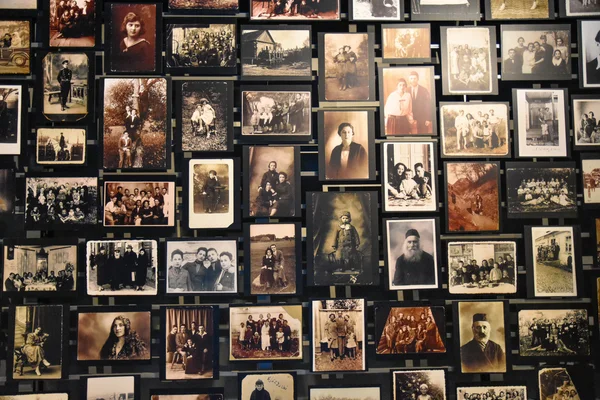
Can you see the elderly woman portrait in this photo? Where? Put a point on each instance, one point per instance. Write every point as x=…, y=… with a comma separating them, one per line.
x=34, y=351
x=123, y=343
x=136, y=44
x=349, y=159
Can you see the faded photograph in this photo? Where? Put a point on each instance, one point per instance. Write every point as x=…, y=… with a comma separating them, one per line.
x=18, y=5
x=276, y=113
x=591, y=179
x=444, y=10
x=331, y=393
x=15, y=47
x=368, y=10
x=201, y=45
x=491, y=392
x=276, y=385
x=11, y=108
x=210, y=192
x=346, y=139
x=519, y=9
x=406, y=44
x=556, y=382
x=72, y=23
x=61, y=146
x=419, y=384
x=554, y=263
x=65, y=86
x=204, y=5
x=114, y=387
x=582, y=8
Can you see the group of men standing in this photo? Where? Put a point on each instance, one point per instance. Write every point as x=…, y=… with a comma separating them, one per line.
x=192, y=347
x=121, y=271
x=555, y=334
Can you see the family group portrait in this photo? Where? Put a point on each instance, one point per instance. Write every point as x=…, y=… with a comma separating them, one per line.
x=492, y=392
x=65, y=86
x=201, y=45
x=406, y=43
x=61, y=146
x=72, y=23
x=295, y=10
x=139, y=203
x=15, y=47
x=208, y=5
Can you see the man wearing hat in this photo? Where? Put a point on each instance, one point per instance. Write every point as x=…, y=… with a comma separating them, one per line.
x=347, y=240
x=64, y=79
x=130, y=260
x=117, y=266
x=481, y=355
x=414, y=266
x=102, y=277
x=259, y=393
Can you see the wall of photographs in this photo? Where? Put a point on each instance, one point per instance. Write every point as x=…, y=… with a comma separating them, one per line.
x=299, y=199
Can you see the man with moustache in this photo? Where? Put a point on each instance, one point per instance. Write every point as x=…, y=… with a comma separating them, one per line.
x=414, y=266
x=482, y=355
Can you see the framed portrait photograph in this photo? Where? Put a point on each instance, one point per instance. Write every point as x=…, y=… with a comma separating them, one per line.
x=122, y=267
x=482, y=267
x=406, y=43
x=588, y=39
x=276, y=53
x=469, y=62
x=58, y=147
x=445, y=10
x=488, y=389
x=276, y=113
x=541, y=189
x=412, y=253
x=407, y=97
x=273, y=384
x=560, y=381
x=366, y=10
x=40, y=267
x=38, y=342
x=519, y=10
x=553, y=261
x=409, y=176
x=481, y=327
x=139, y=203
x=586, y=132
x=136, y=124
x=272, y=181
x=347, y=145
x=472, y=196
x=475, y=129
x=36, y=396
x=14, y=105
x=133, y=38
x=338, y=335
x=273, y=266
x=203, y=6
x=191, y=349
x=187, y=394
x=590, y=169
x=419, y=383
x=15, y=54
x=72, y=23
x=317, y=10
x=579, y=9
x=265, y=333
x=60, y=203
x=402, y=330
x=99, y=333
x=341, y=238
x=116, y=387
x=344, y=392
x=346, y=67
x=201, y=47
x=201, y=266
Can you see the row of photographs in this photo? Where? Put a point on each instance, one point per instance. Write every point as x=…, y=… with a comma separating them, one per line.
x=189, y=348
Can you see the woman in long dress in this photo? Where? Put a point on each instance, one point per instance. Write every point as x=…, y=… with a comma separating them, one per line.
x=267, y=269
x=528, y=59
x=34, y=351
x=265, y=339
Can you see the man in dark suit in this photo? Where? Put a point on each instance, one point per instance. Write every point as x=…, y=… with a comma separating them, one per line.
x=203, y=344
x=511, y=64
x=64, y=80
x=421, y=104
x=414, y=266
x=482, y=355
x=9, y=284
x=549, y=50
x=592, y=67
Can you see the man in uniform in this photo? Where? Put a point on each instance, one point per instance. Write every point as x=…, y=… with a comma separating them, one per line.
x=64, y=79
x=482, y=355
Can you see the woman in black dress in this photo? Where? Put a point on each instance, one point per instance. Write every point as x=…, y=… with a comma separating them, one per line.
x=141, y=269
x=264, y=200
x=284, y=206
x=135, y=52
x=267, y=269
x=147, y=213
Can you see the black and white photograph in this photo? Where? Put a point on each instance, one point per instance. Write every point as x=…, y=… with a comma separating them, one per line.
x=445, y=10
x=281, y=10
x=201, y=266
x=272, y=181
x=411, y=253
x=18, y=5
x=65, y=85
x=342, y=246
x=111, y=387
x=276, y=52
x=339, y=339
x=37, y=342
x=276, y=113
x=536, y=52
x=475, y=129
x=279, y=385
x=61, y=146
x=482, y=267
x=201, y=48
x=590, y=175
x=586, y=131
x=347, y=150
x=579, y=8
x=589, y=53
x=419, y=384
x=541, y=190
x=346, y=67
x=489, y=391
x=61, y=203
x=190, y=350
x=275, y=258
x=341, y=393
x=15, y=53
x=72, y=23
x=556, y=383
x=136, y=120
x=265, y=333
x=104, y=334
x=406, y=43
x=409, y=176
x=385, y=10
x=39, y=266
x=204, y=6
x=187, y=394
x=122, y=267
x=403, y=330
x=13, y=109
x=469, y=62
x=519, y=10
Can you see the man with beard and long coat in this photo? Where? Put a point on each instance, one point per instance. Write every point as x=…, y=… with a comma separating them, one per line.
x=141, y=269
x=480, y=354
x=414, y=266
x=116, y=267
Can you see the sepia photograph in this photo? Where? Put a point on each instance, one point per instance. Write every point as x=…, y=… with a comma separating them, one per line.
x=407, y=97
x=38, y=342
x=265, y=333
x=541, y=190
x=40, y=266
x=419, y=384
x=60, y=203
x=409, y=176
x=339, y=340
x=590, y=173
x=276, y=113
x=491, y=392
x=272, y=181
x=275, y=384
x=61, y=146
x=346, y=67
x=136, y=120
x=190, y=348
x=368, y=10
x=406, y=43
x=111, y=387
x=445, y=10
x=482, y=267
x=482, y=336
x=342, y=393
x=589, y=45
x=342, y=238
x=579, y=8
x=586, y=131
x=113, y=335
x=18, y=5
x=468, y=63
x=72, y=23
x=347, y=150
x=13, y=109
x=276, y=52
x=201, y=266
x=409, y=330
x=122, y=267
x=475, y=129
x=204, y=6
x=556, y=383
x=15, y=52
x=307, y=10
x=519, y=10
x=187, y=394
x=472, y=196
x=275, y=258
x=411, y=253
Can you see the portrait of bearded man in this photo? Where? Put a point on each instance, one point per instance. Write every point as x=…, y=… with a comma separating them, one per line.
x=414, y=266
